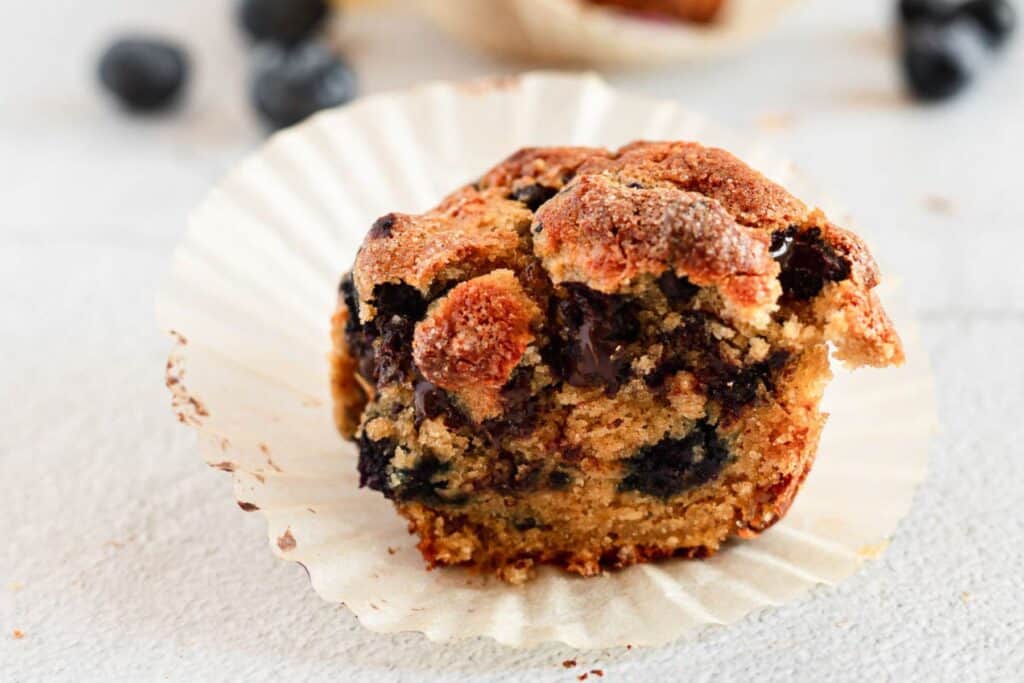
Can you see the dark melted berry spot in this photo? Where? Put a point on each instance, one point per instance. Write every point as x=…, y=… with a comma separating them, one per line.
x=673, y=466
x=559, y=480
x=678, y=290
x=534, y=196
x=594, y=330
x=514, y=423
x=510, y=474
x=399, y=308
x=782, y=242
x=347, y=292
x=441, y=288
x=517, y=390
x=735, y=389
x=669, y=366
x=422, y=483
x=807, y=262
x=382, y=227
x=382, y=346
x=520, y=411
x=431, y=401
x=374, y=461
x=393, y=361
x=358, y=337
x=693, y=348
x=525, y=524
x=690, y=347
x=535, y=282
x=399, y=299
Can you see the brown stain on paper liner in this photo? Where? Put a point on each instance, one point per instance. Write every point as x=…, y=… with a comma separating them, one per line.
x=189, y=409
x=286, y=542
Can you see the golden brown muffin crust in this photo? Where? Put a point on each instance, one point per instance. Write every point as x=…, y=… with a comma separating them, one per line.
x=751, y=198
x=471, y=233
x=547, y=166
x=606, y=233
x=474, y=337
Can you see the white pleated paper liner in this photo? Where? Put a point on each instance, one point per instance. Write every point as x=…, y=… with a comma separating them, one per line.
x=581, y=32
x=252, y=288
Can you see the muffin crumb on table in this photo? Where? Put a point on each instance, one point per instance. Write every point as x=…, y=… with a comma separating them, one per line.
x=592, y=359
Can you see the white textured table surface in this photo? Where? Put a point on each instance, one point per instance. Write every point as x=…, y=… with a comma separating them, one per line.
x=125, y=558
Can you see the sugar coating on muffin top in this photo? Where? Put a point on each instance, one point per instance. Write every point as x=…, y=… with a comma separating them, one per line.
x=591, y=358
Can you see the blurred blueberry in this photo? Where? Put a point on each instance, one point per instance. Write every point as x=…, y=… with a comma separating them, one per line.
x=996, y=17
x=144, y=73
x=913, y=11
x=283, y=21
x=291, y=83
x=941, y=59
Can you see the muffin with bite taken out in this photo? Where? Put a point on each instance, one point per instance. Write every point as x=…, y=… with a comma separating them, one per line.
x=593, y=358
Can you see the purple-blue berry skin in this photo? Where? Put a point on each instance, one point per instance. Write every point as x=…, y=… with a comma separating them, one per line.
x=914, y=11
x=997, y=18
x=288, y=22
x=941, y=59
x=292, y=83
x=145, y=74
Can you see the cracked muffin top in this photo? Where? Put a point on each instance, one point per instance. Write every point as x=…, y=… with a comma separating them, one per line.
x=671, y=211
x=593, y=358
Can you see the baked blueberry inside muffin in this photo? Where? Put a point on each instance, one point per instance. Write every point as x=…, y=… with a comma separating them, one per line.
x=591, y=358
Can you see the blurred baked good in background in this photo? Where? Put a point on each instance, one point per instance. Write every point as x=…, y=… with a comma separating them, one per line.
x=687, y=10
x=606, y=33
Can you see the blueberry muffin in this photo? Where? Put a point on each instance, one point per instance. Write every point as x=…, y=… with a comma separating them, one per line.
x=591, y=358
x=701, y=11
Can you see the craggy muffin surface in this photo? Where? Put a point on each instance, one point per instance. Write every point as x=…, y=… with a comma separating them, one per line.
x=591, y=358
x=687, y=10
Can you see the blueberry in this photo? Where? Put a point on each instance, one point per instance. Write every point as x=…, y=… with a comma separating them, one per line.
x=430, y=401
x=996, y=17
x=559, y=480
x=941, y=59
x=283, y=21
x=673, y=466
x=595, y=329
x=145, y=74
x=421, y=483
x=534, y=196
x=678, y=290
x=374, y=464
x=291, y=83
x=912, y=11
x=808, y=262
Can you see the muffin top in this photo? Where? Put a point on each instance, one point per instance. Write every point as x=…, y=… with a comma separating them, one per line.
x=666, y=214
